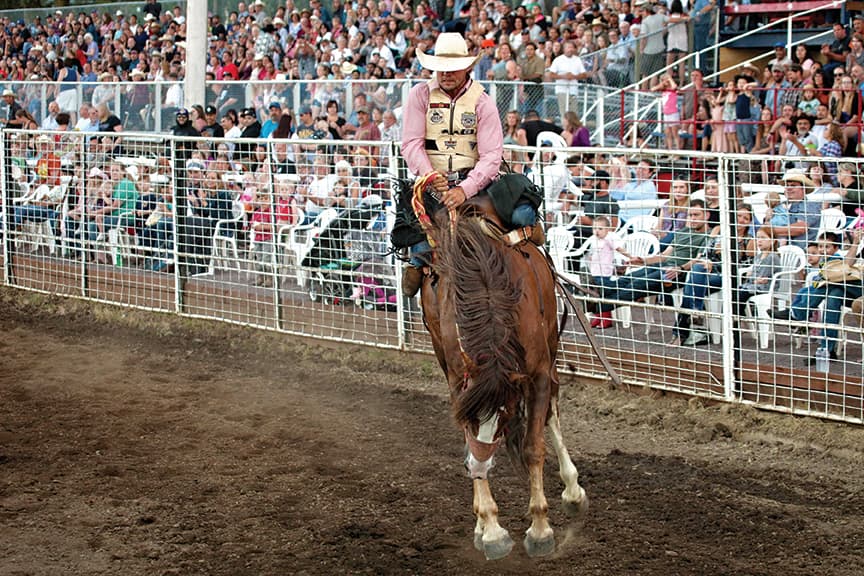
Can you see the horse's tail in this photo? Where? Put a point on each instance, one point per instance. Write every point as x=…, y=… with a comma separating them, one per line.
x=486, y=294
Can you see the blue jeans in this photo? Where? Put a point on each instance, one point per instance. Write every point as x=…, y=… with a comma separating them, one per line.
x=523, y=215
x=835, y=295
x=647, y=281
x=698, y=285
x=31, y=213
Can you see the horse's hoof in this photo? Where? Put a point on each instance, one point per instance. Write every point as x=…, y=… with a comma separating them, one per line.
x=542, y=547
x=575, y=508
x=478, y=541
x=497, y=549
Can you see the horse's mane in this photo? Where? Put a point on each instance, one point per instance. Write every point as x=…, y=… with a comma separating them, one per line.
x=486, y=295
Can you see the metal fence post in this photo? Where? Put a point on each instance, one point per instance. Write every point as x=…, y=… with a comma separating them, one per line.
x=726, y=290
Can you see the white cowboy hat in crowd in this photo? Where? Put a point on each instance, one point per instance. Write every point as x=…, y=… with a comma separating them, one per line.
x=451, y=54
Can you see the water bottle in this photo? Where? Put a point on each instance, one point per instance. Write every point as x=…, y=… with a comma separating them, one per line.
x=823, y=359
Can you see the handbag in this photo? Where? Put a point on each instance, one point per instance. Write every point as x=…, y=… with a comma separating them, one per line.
x=839, y=272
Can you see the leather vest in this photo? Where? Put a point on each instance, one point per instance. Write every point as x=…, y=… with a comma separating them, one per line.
x=451, y=129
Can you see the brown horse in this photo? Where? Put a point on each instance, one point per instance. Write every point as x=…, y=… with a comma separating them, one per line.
x=490, y=308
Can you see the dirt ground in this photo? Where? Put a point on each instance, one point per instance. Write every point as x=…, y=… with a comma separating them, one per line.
x=140, y=444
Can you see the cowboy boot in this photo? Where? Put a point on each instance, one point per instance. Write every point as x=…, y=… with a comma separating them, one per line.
x=412, y=279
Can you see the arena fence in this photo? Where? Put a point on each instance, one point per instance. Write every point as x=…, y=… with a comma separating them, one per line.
x=292, y=236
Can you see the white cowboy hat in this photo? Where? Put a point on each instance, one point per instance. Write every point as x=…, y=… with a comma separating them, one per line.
x=451, y=54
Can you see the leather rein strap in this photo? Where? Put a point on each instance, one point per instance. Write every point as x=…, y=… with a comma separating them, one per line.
x=561, y=284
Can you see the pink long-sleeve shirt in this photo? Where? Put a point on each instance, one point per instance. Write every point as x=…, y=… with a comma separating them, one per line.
x=490, y=138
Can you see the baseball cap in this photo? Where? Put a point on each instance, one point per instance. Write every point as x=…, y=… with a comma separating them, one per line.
x=247, y=112
x=210, y=109
x=305, y=110
x=779, y=45
x=362, y=110
x=182, y=112
x=487, y=43
x=194, y=165
x=275, y=105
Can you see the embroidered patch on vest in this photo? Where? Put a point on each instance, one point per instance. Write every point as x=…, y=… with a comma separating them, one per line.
x=436, y=117
x=439, y=105
x=469, y=119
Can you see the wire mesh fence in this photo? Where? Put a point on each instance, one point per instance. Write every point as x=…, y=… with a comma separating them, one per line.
x=726, y=276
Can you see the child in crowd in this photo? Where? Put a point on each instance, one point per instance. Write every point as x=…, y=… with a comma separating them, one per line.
x=601, y=263
x=808, y=298
x=261, y=230
x=809, y=103
x=766, y=263
x=778, y=212
x=671, y=114
x=745, y=129
x=730, y=131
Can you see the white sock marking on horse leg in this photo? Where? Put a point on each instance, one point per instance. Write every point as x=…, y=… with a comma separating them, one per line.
x=569, y=475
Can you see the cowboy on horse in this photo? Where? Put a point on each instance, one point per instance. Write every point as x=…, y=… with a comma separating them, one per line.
x=452, y=138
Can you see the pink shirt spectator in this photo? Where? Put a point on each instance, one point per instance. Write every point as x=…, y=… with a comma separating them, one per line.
x=601, y=261
x=490, y=138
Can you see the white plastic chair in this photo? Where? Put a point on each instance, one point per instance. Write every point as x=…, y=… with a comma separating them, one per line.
x=756, y=201
x=643, y=223
x=833, y=221
x=638, y=244
x=560, y=243
x=302, y=238
x=792, y=260
x=225, y=233
x=121, y=244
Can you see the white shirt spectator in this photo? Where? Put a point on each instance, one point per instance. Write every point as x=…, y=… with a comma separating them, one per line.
x=562, y=65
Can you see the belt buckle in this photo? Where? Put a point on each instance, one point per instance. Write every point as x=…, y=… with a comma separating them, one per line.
x=453, y=178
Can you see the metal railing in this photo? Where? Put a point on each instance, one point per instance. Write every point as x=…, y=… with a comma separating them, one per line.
x=270, y=234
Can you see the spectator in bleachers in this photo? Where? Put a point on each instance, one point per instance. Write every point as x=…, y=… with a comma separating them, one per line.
x=120, y=207
x=642, y=187
x=566, y=70
x=595, y=202
x=251, y=129
x=795, y=82
x=652, y=44
x=574, y=133
x=213, y=128
x=798, y=142
x=804, y=216
x=702, y=15
x=618, y=60
x=667, y=270
x=605, y=245
x=810, y=296
x=849, y=188
x=844, y=107
x=774, y=89
x=108, y=122
x=676, y=37
x=835, y=52
x=10, y=107
x=673, y=214
x=272, y=122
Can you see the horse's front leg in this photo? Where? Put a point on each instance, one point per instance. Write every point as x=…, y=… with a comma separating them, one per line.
x=539, y=538
x=489, y=537
x=574, y=498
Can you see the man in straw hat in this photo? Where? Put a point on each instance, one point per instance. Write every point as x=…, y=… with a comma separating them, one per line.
x=804, y=216
x=451, y=127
